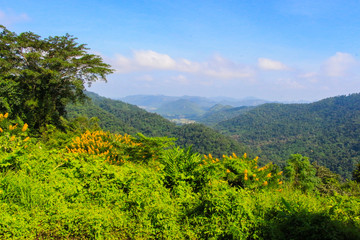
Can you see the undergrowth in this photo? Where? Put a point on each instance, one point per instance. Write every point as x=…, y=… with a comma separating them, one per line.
x=107, y=186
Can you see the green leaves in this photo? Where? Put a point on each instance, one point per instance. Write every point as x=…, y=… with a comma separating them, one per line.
x=47, y=73
x=300, y=173
x=172, y=193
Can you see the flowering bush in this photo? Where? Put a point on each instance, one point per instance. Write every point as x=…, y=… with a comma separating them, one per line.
x=12, y=134
x=241, y=171
x=117, y=148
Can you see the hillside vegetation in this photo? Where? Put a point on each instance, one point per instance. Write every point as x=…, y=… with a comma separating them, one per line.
x=219, y=114
x=110, y=186
x=181, y=108
x=327, y=131
x=120, y=117
x=68, y=178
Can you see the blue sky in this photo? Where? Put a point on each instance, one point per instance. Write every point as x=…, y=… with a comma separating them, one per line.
x=277, y=50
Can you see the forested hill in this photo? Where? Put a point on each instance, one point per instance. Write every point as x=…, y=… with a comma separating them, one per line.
x=117, y=116
x=221, y=113
x=327, y=131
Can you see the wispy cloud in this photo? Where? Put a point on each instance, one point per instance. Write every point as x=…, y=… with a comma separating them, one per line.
x=339, y=65
x=269, y=64
x=9, y=17
x=153, y=60
x=160, y=73
x=148, y=60
x=289, y=83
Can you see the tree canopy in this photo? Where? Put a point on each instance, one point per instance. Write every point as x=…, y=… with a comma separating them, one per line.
x=326, y=131
x=40, y=76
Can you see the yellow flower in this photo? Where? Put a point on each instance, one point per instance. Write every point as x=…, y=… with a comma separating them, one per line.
x=1, y=130
x=24, y=127
x=245, y=155
x=254, y=175
x=265, y=183
x=279, y=190
x=255, y=159
x=6, y=115
x=279, y=173
x=245, y=177
x=234, y=155
x=256, y=179
x=280, y=182
x=12, y=138
x=245, y=171
x=269, y=175
x=227, y=170
x=26, y=139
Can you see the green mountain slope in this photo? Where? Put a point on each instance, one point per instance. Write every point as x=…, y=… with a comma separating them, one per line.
x=117, y=116
x=180, y=108
x=218, y=114
x=120, y=117
x=327, y=131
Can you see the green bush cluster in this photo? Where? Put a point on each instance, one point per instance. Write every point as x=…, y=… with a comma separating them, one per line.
x=171, y=193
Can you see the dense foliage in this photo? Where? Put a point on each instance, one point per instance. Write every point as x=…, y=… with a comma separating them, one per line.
x=216, y=115
x=110, y=186
x=181, y=108
x=39, y=77
x=81, y=182
x=205, y=140
x=326, y=131
x=120, y=117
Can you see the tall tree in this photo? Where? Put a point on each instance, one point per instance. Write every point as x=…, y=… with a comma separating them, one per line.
x=39, y=77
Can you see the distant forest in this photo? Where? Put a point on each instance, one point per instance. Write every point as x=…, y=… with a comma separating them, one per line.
x=326, y=131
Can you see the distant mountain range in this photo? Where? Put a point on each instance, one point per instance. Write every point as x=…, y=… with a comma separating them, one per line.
x=189, y=107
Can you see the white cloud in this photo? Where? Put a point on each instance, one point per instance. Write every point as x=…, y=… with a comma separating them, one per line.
x=268, y=64
x=163, y=74
x=9, y=17
x=339, y=65
x=122, y=64
x=311, y=77
x=145, y=60
x=153, y=60
x=220, y=67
